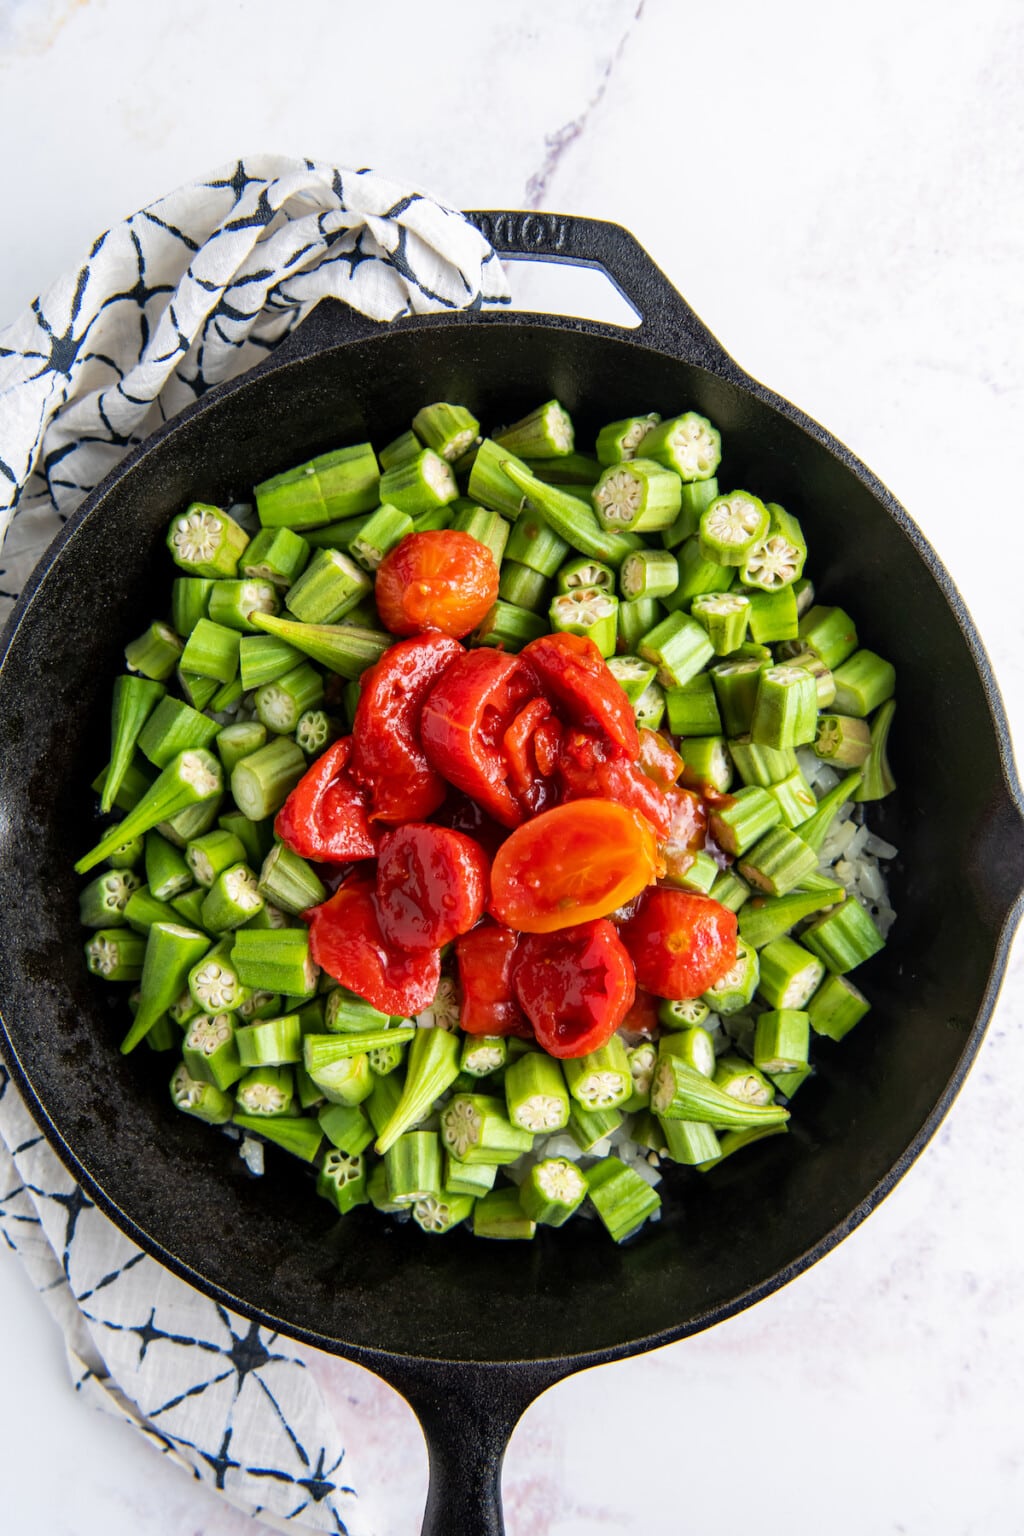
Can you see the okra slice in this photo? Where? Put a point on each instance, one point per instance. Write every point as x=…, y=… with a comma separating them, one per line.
x=433, y=1065
x=347, y=1127
x=509, y=627
x=795, y=797
x=203, y=1100
x=761, y=765
x=270, y=1042
x=210, y=1052
x=347, y=649
x=278, y=555
x=649, y=709
x=569, y=518
x=499, y=1214
x=171, y=952
x=315, y=730
x=345, y=1013
x=636, y=618
x=287, y=881
x=204, y=541
x=387, y=1058
x=211, y=651
x=836, y=1007
x=679, y=647
x=342, y=1180
x=587, y=611
x=233, y=602
x=695, y=498
x=621, y=1197
x=533, y=544
x=690, y=1142
x=378, y=535
x=413, y=1166
x=468, y=1178
x=735, y=990
x=633, y=675
x=174, y=727
x=208, y=856
x=577, y=472
x=648, y=573
x=589, y=1127
x=190, y=601
x=489, y=483
x=816, y=828
x=536, y=1095
x=785, y=708
x=730, y=527
x=521, y=586
x=640, y=496
x=476, y=1129
x=198, y=690
x=773, y=616
x=280, y=704
x=400, y=449
x=441, y=1213
x=790, y=974
x=543, y=433
x=642, y=1061
x=552, y=1191
x=155, y=653
x=842, y=740
x=601, y=1079
x=297, y=1134
x=142, y=910
x=829, y=632
x=420, y=484
x=448, y=429
x=213, y=981
x=679, y=1092
x=443, y=1010
x=730, y=891
x=484, y=1054
x=878, y=780
x=778, y=861
x=135, y=699
x=694, y=872
x=777, y=559
x=622, y=439
x=275, y=960
x=484, y=525
x=863, y=682
x=771, y=917
x=782, y=1040
x=735, y=684
x=684, y=1014
x=844, y=937
x=116, y=954
x=824, y=682
x=330, y=586
x=266, y=1091
x=725, y=616
x=190, y=777
x=264, y=658
x=128, y=855
x=233, y=898
x=377, y=1190
x=102, y=902
x=707, y=765
x=750, y=813
x=693, y=708
x=262, y=782
x=689, y=444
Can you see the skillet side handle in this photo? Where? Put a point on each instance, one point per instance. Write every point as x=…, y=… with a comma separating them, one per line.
x=998, y=860
x=467, y=1413
x=667, y=323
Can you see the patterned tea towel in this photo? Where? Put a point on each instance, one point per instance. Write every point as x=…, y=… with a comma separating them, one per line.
x=188, y=292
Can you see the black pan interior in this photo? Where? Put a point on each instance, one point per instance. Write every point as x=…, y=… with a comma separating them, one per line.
x=271, y=1246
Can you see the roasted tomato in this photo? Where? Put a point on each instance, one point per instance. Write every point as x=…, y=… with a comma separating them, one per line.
x=576, y=986
x=464, y=722
x=659, y=759
x=387, y=759
x=346, y=939
x=571, y=864
x=431, y=885
x=642, y=1018
x=589, y=768
x=573, y=673
x=325, y=816
x=489, y=1005
x=438, y=580
x=680, y=944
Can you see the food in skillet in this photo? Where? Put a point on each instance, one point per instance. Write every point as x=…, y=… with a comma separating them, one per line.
x=492, y=825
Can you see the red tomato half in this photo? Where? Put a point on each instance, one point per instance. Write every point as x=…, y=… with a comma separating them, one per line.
x=589, y=768
x=431, y=885
x=463, y=725
x=489, y=1007
x=325, y=816
x=345, y=938
x=577, y=986
x=681, y=944
x=574, y=674
x=437, y=580
x=387, y=758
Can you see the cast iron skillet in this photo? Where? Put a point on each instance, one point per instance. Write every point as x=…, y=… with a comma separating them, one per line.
x=470, y=1332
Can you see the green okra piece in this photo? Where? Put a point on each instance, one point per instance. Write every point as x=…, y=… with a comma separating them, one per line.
x=234, y=742
x=649, y=709
x=266, y=1091
x=280, y=704
x=737, y=1077
x=377, y=1188
x=189, y=778
x=533, y=544
x=587, y=611
x=483, y=1054
x=499, y=1214
x=679, y=647
x=320, y=1051
x=345, y=1013
x=438, y=517
x=824, y=682
x=843, y=741
x=589, y=1127
x=707, y=765
x=328, y=588
x=262, y=782
x=332, y=486
x=448, y=429
x=725, y=616
x=836, y=1007
x=863, y=682
x=315, y=730
x=128, y=855
x=642, y=1061
x=829, y=632
x=535, y=1094
x=255, y=1003
x=264, y=658
x=524, y=588
x=228, y=697
x=289, y=882
x=639, y=496
x=778, y=861
x=773, y=616
x=622, y=439
x=167, y=874
x=155, y=653
x=102, y=902
x=385, y=1059
x=681, y=1014
x=878, y=781
x=190, y=602
x=419, y=484
x=698, y=875
x=635, y=619
x=691, y=1143
x=298, y=1134
x=432, y=1067
x=198, y=691
x=569, y=518
x=787, y=1083
x=790, y=974
x=633, y=675
x=441, y=1213
x=413, y=1166
x=232, y=603
x=174, y=727
x=796, y=798
x=621, y=1197
x=771, y=917
x=843, y=937
x=210, y=1051
x=749, y=815
x=135, y=699
x=543, y=433
x=489, y=484
x=270, y=1042
x=575, y=471
x=679, y=1092
x=803, y=591
x=380, y=533
x=785, y=707
x=695, y=498
x=203, y=1100
x=730, y=891
x=777, y=559
x=115, y=954
x=816, y=828
x=757, y=764
x=171, y=951
x=232, y=899
x=347, y=1127
x=476, y=1129
x=211, y=652
x=256, y=837
x=689, y=444
x=342, y=648
x=213, y=981
x=487, y=527
x=183, y=1010
x=400, y=449
x=509, y=627
x=731, y=526
x=601, y=1079
x=552, y=1191
x=204, y=541
x=735, y=990
x=384, y=1099
x=692, y=1044
x=142, y=910
x=342, y=1179
x=782, y=1040
x=735, y=1141
x=278, y=555
x=648, y=573
x=275, y=960
x=163, y=1036
x=693, y=708
x=468, y=1178
x=736, y=684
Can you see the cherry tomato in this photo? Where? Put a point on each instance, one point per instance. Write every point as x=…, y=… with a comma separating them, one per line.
x=387, y=758
x=659, y=759
x=571, y=864
x=437, y=580
x=345, y=938
x=588, y=766
x=575, y=675
x=525, y=773
x=576, y=986
x=489, y=1007
x=642, y=1018
x=463, y=725
x=681, y=944
x=325, y=816
x=431, y=885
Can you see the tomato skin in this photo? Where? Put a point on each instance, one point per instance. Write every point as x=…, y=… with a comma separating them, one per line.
x=571, y=864
x=642, y=1018
x=431, y=885
x=681, y=944
x=575, y=986
x=326, y=815
x=437, y=580
x=573, y=673
x=659, y=759
x=588, y=768
x=463, y=724
x=345, y=938
x=485, y=957
x=387, y=759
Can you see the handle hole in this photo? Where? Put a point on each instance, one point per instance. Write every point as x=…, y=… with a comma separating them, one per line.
x=549, y=287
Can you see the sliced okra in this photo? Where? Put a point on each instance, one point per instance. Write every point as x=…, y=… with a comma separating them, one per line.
x=102, y=902
x=601, y=1079
x=777, y=559
x=621, y=1197
x=499, y=1214
x=543, y=433
x=648, y=573
x=731, y=526
x=782, y=1040
x=210, y=1051
x=475, y=1128
x=620, y=440
x=278, y=555
x=433, y=1065
x=640, y=496
x=204, y=541
x=743, y=1081
x=552, y=1191
x=189, y=778
x=588, y=611
x=790, y=974
x=843, y=937
x=413, y=1165
x=203, y=1100
x=689, y=444
x=734, y=991
x=535, y=1093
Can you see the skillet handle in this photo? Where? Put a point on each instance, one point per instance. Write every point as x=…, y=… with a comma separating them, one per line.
x=667, y=323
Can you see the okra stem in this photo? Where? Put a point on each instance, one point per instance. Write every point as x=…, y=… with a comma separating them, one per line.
x=190, y=777
x=346, y=649
x=135, y=699
x=432, y=1067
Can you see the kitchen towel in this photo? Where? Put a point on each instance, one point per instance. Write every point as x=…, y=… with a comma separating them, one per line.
x=192, y=290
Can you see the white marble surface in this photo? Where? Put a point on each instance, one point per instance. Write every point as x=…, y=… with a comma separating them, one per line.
x=839, y=192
